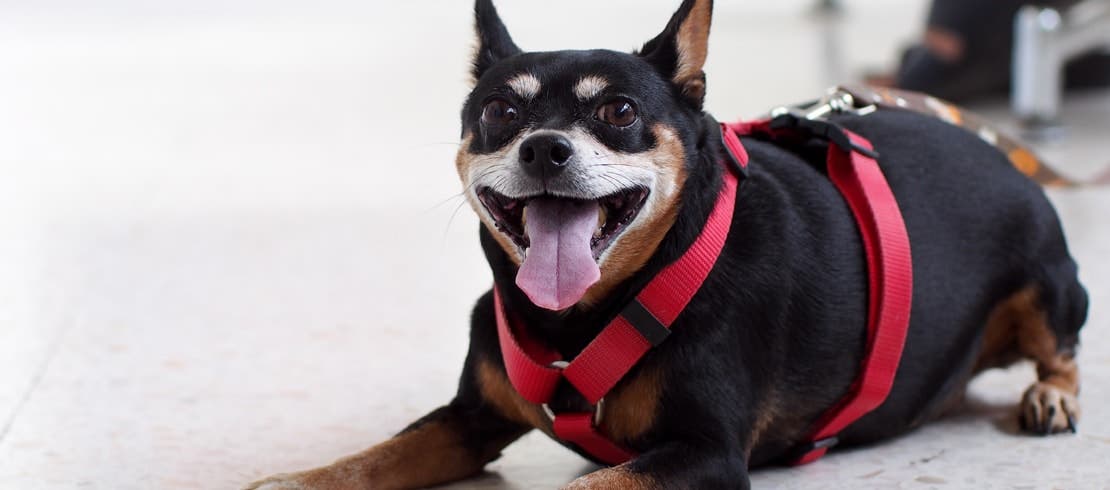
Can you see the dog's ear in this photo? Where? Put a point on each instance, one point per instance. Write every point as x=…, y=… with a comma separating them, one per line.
x=494, y=42
x=679, y=52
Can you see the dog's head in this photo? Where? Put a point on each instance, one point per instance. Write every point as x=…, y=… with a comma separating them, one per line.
x=575, y=160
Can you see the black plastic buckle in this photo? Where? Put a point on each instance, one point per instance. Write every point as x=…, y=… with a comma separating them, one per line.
x=820, y=128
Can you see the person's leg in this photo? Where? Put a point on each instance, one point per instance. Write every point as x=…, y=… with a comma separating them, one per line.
x=967, y=50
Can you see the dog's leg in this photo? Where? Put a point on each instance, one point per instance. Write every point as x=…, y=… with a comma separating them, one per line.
x=449, y=444
x=1033, y=326
x=1050, y=405
x=672, y=466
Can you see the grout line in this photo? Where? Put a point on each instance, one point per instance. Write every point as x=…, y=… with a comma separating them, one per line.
x=36, y=380
x=51, y=353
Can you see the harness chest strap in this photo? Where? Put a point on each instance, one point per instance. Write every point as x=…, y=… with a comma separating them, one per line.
x=536, y=371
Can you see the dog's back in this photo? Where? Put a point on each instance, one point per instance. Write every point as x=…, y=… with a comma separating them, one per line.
x=993, y=278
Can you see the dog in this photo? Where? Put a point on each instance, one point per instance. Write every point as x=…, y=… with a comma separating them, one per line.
x=593, y=171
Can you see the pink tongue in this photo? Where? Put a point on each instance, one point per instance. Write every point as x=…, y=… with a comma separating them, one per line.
x=559, y=266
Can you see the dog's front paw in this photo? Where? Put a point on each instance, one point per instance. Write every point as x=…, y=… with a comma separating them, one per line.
x=278, y=482
x=1047, y=409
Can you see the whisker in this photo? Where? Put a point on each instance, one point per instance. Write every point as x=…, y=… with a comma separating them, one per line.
x=612, y=181
x=497, y=183
x=445, y=201
x=451, y=221
x=485, y=173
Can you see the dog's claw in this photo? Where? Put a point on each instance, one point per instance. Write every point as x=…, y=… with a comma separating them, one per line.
x=1046, y=424
x=1047, y=409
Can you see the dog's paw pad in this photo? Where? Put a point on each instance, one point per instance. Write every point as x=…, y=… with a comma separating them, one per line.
x=276, y=482
x=1046, y=409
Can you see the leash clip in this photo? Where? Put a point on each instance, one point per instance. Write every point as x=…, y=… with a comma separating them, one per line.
x=814, y=120
x=836, y=101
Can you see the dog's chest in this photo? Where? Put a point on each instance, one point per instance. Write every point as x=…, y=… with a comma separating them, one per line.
x=628, y=413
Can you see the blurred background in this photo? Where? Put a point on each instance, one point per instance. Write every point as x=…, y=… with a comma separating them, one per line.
x=232, y=241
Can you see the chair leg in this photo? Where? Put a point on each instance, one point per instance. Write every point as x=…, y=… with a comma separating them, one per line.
x=1045, y=40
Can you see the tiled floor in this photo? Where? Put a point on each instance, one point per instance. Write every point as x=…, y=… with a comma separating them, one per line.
x=231, y=242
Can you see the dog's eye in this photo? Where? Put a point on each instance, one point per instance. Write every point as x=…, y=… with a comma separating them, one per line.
x=618, y=113
x=498, y=112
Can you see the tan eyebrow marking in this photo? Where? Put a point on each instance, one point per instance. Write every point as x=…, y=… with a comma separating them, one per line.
x=590, y=86
x=526, y=85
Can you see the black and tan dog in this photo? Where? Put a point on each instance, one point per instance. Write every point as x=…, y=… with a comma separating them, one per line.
x=593, y=170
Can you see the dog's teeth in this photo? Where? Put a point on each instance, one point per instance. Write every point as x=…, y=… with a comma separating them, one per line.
x=602, y=216
x=524, y=218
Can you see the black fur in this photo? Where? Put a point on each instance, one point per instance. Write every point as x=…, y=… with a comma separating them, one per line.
x=781, y=319
x=494, y=42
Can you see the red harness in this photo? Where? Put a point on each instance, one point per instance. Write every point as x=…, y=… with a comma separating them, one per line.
x=536, y=371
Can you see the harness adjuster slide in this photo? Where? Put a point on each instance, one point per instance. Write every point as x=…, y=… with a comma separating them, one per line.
x=599, y=411
x=802, y=450
x=653, y=330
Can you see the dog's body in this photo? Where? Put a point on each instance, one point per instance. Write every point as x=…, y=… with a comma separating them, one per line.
x=776, y=334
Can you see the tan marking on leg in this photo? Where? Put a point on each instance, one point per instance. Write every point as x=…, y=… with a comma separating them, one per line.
x=1036, y=340
x=1000, y=347
x=497, y=390
x=617, y=477
x=1051, y=405
x=1018, y=327
x=633, y=248
x=430, y=454
x=631, y=409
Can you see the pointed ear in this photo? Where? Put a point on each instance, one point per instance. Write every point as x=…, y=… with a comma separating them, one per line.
x=494, y=42
x=679, y=52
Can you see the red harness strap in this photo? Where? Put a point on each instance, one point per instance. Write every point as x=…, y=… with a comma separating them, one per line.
x=857, y=175
x=535, y=371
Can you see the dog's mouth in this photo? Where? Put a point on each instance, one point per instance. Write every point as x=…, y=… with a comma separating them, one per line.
x=615, y=213
x=562, y=238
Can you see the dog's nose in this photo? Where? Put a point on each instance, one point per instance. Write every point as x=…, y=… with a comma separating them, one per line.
x=545, y=155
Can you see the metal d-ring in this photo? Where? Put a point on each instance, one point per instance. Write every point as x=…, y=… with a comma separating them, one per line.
x=836, y=101
x=599, y=411
x=599, y=408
